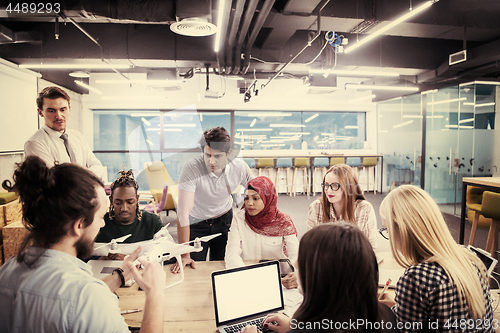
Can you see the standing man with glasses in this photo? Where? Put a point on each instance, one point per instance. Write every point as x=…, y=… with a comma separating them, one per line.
x=54, y=142
x=343, y=200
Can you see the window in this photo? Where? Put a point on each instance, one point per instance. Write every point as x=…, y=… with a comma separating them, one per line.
x=133, y=137
x=292, y=130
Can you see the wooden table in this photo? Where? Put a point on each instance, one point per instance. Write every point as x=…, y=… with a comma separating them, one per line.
x=488, y=183
x=187, y=307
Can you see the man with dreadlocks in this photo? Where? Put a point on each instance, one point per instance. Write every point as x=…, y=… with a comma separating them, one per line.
x=124, y=216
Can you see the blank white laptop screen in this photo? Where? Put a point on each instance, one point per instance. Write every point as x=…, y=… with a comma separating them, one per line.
x=247, y=291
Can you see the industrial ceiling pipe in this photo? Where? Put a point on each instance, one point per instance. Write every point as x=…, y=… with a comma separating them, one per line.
x=238, y=13
x=309, y=43
x=266, y=9
x=252, y=6
x=221, y=52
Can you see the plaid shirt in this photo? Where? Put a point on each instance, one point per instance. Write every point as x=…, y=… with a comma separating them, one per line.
x=425, y=294
x=364, y=215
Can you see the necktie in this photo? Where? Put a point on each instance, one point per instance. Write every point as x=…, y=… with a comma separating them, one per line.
x=69, y=150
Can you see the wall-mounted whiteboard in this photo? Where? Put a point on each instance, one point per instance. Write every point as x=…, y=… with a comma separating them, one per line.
x=18, y=114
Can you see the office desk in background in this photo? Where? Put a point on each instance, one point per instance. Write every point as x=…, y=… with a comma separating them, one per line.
x=488, y=183
x=311, y=154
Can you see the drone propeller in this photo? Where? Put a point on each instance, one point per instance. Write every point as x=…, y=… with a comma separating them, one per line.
x=203, y=239
x=117, y=240
x=162, y=232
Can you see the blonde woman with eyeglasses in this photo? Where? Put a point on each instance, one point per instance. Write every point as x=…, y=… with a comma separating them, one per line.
x=445, y=286
x=343, y=200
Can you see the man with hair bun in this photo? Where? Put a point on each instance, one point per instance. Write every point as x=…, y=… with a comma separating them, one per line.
x=205, y=186
x=47, y=287
x=125, y=217
x=54, y=142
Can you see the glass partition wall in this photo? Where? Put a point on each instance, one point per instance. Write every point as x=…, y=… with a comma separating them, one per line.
x=134, y=137
x=459, y=139
x=400, y=139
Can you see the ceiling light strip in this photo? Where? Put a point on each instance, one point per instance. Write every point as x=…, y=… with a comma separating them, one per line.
x=286, y=125
x=378, y=87
x=311, y=117
x=352, y=73
x=73, y=66
x=219, y=25
x=406, y=123
x=255, y=129
x=86, y=86
x=447, y=101
x=479, y=82
x=295, y=133
x=377, y=33
x=480, y=105
x=273, y=145
x=139, y=81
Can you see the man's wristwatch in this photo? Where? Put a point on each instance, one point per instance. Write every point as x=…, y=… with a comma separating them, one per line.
x=120, y=274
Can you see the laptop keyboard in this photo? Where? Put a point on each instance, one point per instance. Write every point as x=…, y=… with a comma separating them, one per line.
x=238, y=327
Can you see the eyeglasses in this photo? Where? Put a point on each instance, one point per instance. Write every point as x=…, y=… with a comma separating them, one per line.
x=333, y=186
x=384, y=232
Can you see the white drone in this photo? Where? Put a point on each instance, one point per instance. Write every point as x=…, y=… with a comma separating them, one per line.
x=161, y=248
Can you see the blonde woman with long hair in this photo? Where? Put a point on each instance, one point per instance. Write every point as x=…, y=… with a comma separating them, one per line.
x=343, y=200
x=445, y=286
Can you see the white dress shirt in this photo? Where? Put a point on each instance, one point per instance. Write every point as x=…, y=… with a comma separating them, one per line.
x=245, y=244
x=48, y=145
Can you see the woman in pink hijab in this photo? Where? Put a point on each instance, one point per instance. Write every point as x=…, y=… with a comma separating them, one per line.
x=259, y=230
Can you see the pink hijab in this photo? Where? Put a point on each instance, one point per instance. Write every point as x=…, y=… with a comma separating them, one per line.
x=270, y=221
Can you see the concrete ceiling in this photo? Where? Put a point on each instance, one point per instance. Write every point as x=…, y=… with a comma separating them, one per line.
x=261, y=36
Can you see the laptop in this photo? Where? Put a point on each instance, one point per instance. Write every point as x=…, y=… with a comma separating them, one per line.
x=245, y=295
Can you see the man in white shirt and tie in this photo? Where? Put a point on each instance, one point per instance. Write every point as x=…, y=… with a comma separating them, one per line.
x=54, y=143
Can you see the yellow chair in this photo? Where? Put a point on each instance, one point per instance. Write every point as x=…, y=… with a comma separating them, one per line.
x=301, y=165
x=370, y=163
x=474, y=199
x=266, y=167
x=157, y=177
x=490, y=208
x=337, y=160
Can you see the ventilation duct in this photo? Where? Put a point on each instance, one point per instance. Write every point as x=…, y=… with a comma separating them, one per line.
x=194, y=18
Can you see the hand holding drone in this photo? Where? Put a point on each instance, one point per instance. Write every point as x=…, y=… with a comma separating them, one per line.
x=164, y=249
x=114, y=247
x=161, y=248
